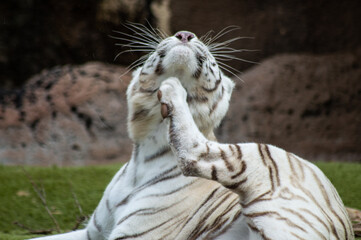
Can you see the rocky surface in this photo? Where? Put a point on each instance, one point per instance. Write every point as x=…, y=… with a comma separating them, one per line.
x=70, y=115
x=76, y=115
x=307, y=104
x=306, y=100
x=36, y=35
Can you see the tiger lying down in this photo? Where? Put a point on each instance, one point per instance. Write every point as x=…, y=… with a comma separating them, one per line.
x=280, y=196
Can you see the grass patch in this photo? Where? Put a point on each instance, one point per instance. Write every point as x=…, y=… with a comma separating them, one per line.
x=18, y=201
x=346, y=177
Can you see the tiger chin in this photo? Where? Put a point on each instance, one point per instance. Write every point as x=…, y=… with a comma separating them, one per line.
x=149, y=197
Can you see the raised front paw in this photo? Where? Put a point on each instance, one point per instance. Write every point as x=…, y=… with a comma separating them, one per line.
x=171, y=94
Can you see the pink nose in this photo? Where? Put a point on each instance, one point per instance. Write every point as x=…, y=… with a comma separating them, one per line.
x=184, y=36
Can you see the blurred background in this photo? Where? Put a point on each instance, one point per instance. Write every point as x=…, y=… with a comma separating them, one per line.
x=62, y=100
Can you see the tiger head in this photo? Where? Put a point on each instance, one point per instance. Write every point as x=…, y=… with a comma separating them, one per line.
x=186, y=57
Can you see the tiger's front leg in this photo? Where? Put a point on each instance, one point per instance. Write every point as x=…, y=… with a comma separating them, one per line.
x=198, y=156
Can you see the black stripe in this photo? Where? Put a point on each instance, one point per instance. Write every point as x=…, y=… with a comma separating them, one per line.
x=303, y=219
x=214, y=88
x=142, y=113
x=150, y=91
x=161, y=53
x=97, y=226
x=108, y=205
x=214, y=173
x=315, y=216
x=240, y=155
x=144, y=232
x=161, y=177
x=258, y=199
x=275, y=215
x=170, y=192
x=261, y=153
x=161, y=152
x=210, y=196
x=201, y=99
x=200, y=60
x=159, y=69
x=206, y=154
x=309, y=194
x=197, y=232
x=236, y=185
x=88, y=235
x=270, y=172
x=274, y=165
x=149, y=211
x=225, y=160
x=243, y=168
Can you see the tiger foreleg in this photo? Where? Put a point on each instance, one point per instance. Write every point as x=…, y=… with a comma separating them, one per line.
x=198, y=156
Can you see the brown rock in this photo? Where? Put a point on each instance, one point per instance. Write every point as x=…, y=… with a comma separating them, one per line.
x=306, y=104
x=67, y=115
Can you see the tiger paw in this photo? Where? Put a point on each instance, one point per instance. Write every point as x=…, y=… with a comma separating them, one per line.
x=171, y=93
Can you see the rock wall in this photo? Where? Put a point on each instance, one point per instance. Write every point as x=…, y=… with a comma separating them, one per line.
x=304, y=97
x=36, y=35
x=70, y=115
x=307, y=104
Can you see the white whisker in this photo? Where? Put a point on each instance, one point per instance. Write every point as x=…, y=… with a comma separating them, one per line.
x=205, y=37
x=231, y=57
x=223, y=32
x=132, y=37
x=228, y=69
x=231, y=50
x=139, y=44
x=225, y=43
x=137, y=50
x=137, y=26
x=144, y=39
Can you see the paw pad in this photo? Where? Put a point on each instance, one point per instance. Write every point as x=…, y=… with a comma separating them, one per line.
x=164, y=110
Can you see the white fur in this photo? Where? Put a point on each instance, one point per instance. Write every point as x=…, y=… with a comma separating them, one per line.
x=131, y=201
x=297, y=200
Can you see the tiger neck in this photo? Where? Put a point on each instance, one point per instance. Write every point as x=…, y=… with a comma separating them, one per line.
x=153, y=155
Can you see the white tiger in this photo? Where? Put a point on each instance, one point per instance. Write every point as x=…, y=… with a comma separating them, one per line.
x=282, y=196
x=149, y=198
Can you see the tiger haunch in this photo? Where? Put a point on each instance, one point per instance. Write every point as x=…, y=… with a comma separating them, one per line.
x=282, y=195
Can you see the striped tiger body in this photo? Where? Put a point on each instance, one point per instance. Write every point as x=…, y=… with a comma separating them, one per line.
x=149, y=198
x=282, y=195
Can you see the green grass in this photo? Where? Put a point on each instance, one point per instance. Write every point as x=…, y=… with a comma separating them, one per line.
x=18, y=201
